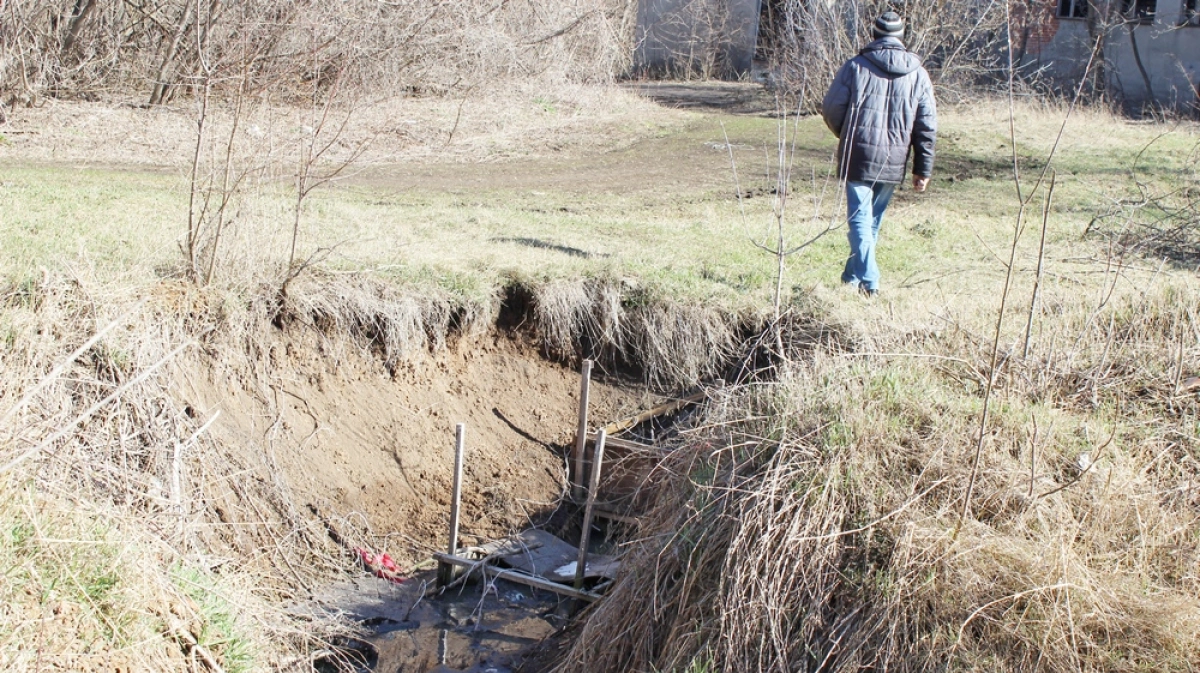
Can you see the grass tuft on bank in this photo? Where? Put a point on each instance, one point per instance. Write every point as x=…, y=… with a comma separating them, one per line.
x=815, y=522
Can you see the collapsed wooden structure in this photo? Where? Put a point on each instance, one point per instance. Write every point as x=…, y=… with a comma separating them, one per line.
x=538, y=559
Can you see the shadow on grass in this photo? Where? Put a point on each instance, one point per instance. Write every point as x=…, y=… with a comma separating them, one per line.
x=546, y=245
x=954, y=166
x=736, y=98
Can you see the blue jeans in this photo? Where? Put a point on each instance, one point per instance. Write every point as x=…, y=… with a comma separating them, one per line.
x=865, y=203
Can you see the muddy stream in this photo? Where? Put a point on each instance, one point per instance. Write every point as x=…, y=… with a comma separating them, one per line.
x=473, y=628
x=481, y=623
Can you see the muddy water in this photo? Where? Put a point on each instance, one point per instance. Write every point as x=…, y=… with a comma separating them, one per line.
x=473, y=629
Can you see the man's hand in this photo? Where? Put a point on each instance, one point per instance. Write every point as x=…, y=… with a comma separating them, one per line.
x=920, y=183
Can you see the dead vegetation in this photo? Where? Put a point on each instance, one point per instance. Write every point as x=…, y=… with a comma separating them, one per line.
x=812, y=523
x=626, y=325
x=673, y=344
x=1155, y=217
x=157, y=51
x=102, y=455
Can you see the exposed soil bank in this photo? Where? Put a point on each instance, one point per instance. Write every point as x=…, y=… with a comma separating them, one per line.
x=356, y=445
x=368, y=450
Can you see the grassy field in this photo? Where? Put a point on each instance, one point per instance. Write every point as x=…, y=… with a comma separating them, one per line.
x=659, y=208
x=869, y=445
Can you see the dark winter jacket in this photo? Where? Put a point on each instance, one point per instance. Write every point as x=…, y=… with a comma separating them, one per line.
x=880, y=107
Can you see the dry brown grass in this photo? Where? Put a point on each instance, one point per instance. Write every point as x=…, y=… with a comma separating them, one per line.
x=673, y=344
x=394, y=322
x=88, y=587
x=812, y=524
x=489, y=122
x=92, y=49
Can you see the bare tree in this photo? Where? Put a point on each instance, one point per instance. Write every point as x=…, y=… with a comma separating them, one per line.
x=73, y=48
x=805, y=42
x=326, y=130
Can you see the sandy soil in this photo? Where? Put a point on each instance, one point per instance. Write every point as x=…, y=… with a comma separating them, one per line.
x=353, y=443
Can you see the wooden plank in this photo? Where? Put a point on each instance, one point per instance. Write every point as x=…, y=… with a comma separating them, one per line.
x=504, y=546
x=537, y=552
x=498, y=548
x=627, y=445
x=445, y=572
x=669, y=407
x=515, y=576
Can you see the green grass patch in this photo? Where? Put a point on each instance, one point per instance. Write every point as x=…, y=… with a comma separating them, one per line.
x=77, y=592
x=221, y=630
x=663, y=210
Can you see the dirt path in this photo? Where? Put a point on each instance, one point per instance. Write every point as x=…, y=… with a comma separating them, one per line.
x=689, y=157
x=663, y=137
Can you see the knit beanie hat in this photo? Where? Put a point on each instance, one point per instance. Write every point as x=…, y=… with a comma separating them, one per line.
x=889, y=24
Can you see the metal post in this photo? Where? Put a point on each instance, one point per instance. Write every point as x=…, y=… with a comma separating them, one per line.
x=593, y=488
x=585, y=379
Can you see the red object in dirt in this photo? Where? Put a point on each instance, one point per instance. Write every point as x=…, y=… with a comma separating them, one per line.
x=380, y=565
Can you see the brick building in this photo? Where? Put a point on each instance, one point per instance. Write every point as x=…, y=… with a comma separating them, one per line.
x=1151, y=47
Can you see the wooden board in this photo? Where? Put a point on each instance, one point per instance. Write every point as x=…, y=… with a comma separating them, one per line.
x=660, y=410
x=515, y=576
x=597, y=566
x=535, y=552
x=505, y=547
x=538, y=553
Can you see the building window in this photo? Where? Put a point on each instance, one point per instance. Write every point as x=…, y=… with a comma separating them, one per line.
x=1072, y=9
x=1191, y=12
x=1141, y=11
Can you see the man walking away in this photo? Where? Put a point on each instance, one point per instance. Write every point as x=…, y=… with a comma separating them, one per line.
x=881, y=108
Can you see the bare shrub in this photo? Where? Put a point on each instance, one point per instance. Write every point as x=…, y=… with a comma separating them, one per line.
x=90, y=48
x=685, y=40
x=1158, y=216
x=807, y=42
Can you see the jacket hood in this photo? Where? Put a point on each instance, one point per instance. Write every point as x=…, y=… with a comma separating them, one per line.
x=889, y=55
